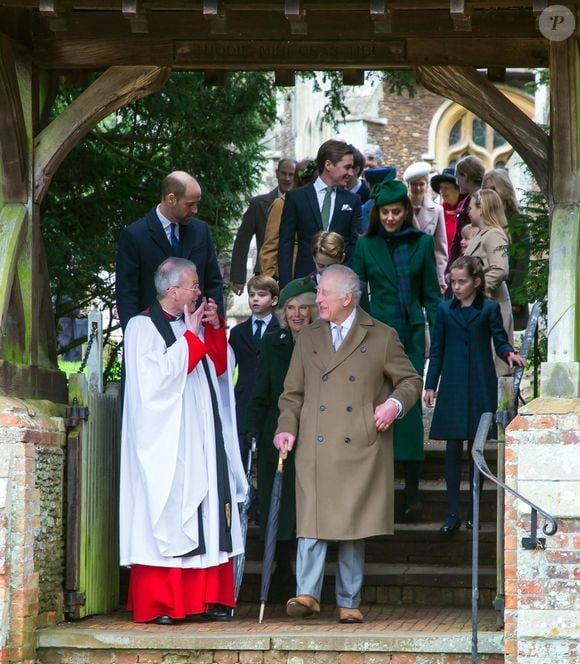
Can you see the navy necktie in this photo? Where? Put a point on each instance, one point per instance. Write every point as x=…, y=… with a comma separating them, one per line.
x=174, y=240
x=258, y=332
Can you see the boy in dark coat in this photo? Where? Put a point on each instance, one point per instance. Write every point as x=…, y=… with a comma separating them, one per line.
x=245, y=340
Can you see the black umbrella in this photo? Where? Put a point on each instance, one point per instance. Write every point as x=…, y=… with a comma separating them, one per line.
x=271, y=534
x=240, y=559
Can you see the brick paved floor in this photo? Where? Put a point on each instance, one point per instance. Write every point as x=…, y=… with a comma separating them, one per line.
x=378, y=618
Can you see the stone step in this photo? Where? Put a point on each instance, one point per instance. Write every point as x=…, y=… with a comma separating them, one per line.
x=417, y=543
x=403, y=634
x=433, y=466
x=435, y=585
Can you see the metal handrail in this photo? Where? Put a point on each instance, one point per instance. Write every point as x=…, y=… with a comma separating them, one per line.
x=532, y=542
x=530, y=336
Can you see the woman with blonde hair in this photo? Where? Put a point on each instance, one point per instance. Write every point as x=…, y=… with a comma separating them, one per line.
x=490, y=245
x=519, y=259
x=327, y=249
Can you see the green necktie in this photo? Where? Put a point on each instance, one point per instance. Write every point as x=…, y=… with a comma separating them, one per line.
x=325, y=212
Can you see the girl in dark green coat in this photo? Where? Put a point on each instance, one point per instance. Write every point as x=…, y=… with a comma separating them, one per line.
x=397, y=260
x=296, y=309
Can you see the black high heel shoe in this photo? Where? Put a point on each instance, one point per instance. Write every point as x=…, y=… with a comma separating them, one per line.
x=452, y=523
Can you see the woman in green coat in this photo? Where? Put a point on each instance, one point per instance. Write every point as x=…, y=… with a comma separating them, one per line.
x=397, y=260
x=296, y=309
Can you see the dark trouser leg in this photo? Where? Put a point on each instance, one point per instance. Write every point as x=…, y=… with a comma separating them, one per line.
x=453, y=455
x=412, y=470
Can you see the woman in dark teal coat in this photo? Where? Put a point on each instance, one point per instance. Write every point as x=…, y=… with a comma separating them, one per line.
x=296, y=309
x=462, y=370
x=397, y=260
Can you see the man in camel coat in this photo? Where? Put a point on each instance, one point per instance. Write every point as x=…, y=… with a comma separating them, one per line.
x=348, y=380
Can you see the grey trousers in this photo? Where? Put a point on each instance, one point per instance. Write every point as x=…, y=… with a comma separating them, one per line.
x=310, y=559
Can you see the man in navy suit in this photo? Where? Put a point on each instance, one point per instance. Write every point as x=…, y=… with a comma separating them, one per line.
x=322, y=205
x=170, y=229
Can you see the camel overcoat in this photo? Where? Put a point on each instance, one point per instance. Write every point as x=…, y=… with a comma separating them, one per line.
x=490, y=245
x=344, y=466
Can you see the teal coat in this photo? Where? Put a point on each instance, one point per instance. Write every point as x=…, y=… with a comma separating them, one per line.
x=262, y=418
x=373, y=263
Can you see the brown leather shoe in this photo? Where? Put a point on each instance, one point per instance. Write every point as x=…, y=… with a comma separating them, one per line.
x=302, y=606
x=349, y=616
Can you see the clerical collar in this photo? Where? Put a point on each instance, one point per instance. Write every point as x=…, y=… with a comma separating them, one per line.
x=171, y=317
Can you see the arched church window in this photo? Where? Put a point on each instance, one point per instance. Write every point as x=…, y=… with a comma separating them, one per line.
x=456, y=132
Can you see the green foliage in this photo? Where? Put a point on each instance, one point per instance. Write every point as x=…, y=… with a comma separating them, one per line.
x=401, y=81
x=532, y=226
x=113, y=176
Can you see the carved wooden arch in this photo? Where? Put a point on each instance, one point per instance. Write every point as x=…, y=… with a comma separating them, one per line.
x=466, y=86
x=112, y=90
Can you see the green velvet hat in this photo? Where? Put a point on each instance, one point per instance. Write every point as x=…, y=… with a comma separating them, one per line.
x=295, y=288
x=388, y=191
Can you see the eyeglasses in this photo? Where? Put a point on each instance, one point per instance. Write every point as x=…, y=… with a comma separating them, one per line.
x=193, y=290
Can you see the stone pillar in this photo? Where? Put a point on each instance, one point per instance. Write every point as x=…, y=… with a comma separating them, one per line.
x=543, y=464
x=32, y=439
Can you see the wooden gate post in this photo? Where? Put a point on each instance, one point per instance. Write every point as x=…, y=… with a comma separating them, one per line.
x=561, y=373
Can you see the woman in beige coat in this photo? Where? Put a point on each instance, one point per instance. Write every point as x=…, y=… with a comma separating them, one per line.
x=490, y=245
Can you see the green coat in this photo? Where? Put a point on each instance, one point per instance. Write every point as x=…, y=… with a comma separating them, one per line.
x=262, y=418
x=373, y=263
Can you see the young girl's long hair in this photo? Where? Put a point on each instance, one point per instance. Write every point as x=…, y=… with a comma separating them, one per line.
x=473, y=268
x=491, y=206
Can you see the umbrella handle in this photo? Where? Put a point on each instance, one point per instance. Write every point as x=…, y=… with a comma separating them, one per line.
x=281, y=458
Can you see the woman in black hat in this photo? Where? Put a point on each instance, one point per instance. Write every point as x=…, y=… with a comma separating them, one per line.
x=445, y=185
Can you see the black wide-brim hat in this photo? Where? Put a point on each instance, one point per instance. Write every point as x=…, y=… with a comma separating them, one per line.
x=447, y=175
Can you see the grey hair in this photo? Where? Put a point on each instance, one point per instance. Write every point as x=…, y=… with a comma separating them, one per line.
x=171, y=273
x=348, y=281
x=374, y=151
x=308, y=299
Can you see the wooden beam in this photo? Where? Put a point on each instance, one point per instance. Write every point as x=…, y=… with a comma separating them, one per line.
x=115, y=88
x=353, y=76
x=381, y=16
x=215, y=77
x=214, y=12
x=13, y=148
x=136, y=14
x=268, y=55
x=465, y=86
x=296, y=15
x=460, y=15
x=285, y=78
x=56, y=13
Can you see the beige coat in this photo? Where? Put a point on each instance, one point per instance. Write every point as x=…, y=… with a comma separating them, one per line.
x=344, y=466
x=431, y=220
x=490, y=244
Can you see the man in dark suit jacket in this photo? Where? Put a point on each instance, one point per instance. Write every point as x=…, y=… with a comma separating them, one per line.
x=170, y=229
x=254, y=223
x=322, y=205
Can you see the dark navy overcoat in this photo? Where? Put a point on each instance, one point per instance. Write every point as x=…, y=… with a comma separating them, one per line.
x=461, y=362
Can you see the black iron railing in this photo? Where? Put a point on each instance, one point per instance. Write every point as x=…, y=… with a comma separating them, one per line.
x=532, y=542
x=529, y=342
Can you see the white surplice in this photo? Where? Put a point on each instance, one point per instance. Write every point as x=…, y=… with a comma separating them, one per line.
x=168, y=457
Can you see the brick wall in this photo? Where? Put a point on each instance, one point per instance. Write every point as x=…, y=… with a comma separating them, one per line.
x=404, y=139
x=74, y=656
x=24, y=431
x=542, y=599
